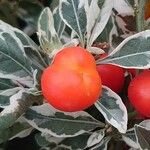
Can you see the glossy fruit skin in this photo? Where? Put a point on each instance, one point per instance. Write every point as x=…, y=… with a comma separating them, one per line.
x=139, y=93
x=112, y=76
x=147, y=10
x=71, y=83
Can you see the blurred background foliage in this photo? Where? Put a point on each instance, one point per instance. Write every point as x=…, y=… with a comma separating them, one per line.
x=23, y=14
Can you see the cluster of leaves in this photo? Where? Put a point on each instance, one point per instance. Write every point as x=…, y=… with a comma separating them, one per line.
x=71, y=23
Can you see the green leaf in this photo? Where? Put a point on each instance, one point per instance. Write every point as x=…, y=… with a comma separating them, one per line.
x=54, y=4
x=113, y=109
x=59, y=124
x=6, y=94
x=49, y=40
x=99, y=21
x=19, y=103
x=73, y=13
x=6, y=84
x=103, y=145
x=38, y=60
x=106, y=34
x=47, y=140
x=13, y=131
x=78, y=142
x=130, y=138
x=133, y=52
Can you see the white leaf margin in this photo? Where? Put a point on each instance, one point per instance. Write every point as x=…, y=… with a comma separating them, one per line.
x=123, y=7
x=105, y=15
x=95, y=138
x=144, y=34
x=47, y=110
x=130, y=142
x=121, y=126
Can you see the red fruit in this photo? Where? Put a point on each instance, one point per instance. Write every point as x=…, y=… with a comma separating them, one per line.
x=71, y=83
x=112, y=76
x=139, y=93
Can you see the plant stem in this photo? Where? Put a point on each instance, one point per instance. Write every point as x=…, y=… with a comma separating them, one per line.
x=139, y=12
x=132, y=115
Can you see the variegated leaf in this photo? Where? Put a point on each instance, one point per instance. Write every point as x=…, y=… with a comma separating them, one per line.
x=58, y=22
x=78, y=142
x=143, y=137
x=41, y=140
x=133, y=52
x=12, y=131
x=49, y=40
x=5, y=96
x=95, y=50
x=13, y=52
x=48, y=120
x=92, y=16
x=25, y=132
x=103, y=145
x=113, y=109
x=142, y=134
x=145, y=124
x=6, y=84
x=73, y=42
x=51, y=139
x=19, y=103
x=130, y=138
x=123, y=7
x=101, y=21
x=73, y=13
x=95, y=138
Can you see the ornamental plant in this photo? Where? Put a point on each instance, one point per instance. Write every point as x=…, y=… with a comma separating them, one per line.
x=53, y=89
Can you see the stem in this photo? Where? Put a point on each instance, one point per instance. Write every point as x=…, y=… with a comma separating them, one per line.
x=132, y=115
x=139, y=13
